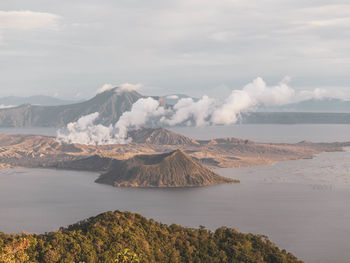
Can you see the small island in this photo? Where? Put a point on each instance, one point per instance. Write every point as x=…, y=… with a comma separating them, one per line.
x=172, y=169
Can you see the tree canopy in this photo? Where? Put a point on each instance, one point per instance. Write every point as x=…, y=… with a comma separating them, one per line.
x=128, y=237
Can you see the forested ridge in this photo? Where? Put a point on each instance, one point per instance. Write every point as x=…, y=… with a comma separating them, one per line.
x=128, y=237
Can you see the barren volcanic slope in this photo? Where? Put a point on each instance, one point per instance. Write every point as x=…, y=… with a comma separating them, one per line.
x=174, y=169
x=160, y=136
x=43, y=151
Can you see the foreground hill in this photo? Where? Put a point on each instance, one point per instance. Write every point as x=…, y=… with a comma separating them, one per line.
x=110, y=105
x=174, y=169
x=127, y=237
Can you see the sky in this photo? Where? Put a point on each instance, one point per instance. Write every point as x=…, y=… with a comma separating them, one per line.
x=69, y=49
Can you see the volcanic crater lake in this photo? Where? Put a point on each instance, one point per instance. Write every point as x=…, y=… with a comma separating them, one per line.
x=302, y=206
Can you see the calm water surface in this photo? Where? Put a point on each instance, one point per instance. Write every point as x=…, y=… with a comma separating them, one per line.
x=303, y=206
x=257, y=132
x=271, y=132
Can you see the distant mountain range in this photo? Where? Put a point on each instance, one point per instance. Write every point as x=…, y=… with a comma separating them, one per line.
x=312, y=105
x=34, y=100
x=295, y=118
x=109, y=104
x=112, y=104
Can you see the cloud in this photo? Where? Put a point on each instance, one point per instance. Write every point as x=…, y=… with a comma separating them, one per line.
x=187, y=109
x=127, y=87
x=260, y=93
x=205, y=111
x=104, y=88
x=141, y=112
x=331, y=22
x=172, y=97
x=2, y=106
x=317, y=93
x=26, y=20
x=181, y=46
x=234, y=104
x=85, y=131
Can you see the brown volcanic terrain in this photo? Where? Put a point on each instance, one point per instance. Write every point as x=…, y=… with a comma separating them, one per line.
x=43, y=151
x=173, y=169
x=160, y=136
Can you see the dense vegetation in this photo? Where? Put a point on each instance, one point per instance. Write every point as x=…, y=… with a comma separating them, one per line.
x=128, y=237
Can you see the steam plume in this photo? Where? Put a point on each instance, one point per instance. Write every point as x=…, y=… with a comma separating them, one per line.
x=206, y=111
x=85, y=131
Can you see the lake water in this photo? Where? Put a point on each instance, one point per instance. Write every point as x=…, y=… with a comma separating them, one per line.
x=255, y=132
x=302, y=206
x=271, y=132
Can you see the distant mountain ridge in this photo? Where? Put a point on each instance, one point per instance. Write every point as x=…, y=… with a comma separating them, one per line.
x=312, y=105
x=110, y=105
x=34, y=100
x=295, y=118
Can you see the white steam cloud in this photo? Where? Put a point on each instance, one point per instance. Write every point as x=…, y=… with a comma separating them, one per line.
x=104, y=88
x=2, y=106
x=172, y=97
x=253, y=94
x=85, y=131
x=186, y=111
x=141, y=112
x=125, y=87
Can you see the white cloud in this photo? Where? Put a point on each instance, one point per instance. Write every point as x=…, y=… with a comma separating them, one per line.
x=140, y=113
x=331, y=22
x=172, y=97
x=104, y=88
x=125, y=87
x=25, y=20
x=129, y=87
x=186, y=109
x=205, y=111
x=7, y=106
x=185, y=46
x=85, y=131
